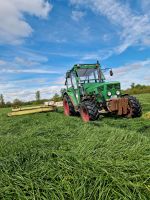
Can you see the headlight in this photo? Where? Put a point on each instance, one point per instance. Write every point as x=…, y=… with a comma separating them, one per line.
x=117, y=92
x=109, y=94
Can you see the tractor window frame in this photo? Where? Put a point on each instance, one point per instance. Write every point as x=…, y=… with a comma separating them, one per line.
x=74, y=80
x=87, y=79
x=68, y=82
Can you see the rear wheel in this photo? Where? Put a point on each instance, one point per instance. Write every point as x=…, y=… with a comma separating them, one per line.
x=89, y=111
x=68, y=106
x=135, y=109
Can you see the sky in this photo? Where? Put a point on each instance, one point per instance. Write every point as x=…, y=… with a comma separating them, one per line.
x=41, y=39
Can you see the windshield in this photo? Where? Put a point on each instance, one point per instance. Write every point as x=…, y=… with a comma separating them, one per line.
x=88, y=75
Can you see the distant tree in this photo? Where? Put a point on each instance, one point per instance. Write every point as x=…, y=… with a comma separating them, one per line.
x=133, y=85
x=56, y=97
x=138, y=89
x=2, y=102
x=17, y=103
x=37, y=96
x=8, y=104
x=62, y=91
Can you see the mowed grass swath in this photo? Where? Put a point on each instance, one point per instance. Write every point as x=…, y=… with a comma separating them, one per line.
x=49, y=156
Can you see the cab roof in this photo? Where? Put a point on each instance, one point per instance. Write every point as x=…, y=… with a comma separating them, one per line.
x=84, y=66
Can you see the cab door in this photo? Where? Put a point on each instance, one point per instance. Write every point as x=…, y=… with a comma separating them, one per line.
x=71, y=90
x=75, y=86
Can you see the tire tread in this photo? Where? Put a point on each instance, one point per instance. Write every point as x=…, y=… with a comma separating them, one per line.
x=136, y=106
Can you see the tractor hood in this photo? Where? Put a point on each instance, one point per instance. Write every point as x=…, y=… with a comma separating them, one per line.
x=102, y=88
x=92, y=86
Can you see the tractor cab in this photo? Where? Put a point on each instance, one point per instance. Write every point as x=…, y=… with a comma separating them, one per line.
x=89, y=74
x=84, y=74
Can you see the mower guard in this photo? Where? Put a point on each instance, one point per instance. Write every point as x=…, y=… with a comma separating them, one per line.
x=119, y=105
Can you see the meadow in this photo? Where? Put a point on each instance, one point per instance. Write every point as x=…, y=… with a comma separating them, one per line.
x=50, y=156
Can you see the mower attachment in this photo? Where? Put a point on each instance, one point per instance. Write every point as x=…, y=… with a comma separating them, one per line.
x=119, y=105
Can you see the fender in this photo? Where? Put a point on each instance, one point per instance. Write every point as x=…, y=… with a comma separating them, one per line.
x=72, y=98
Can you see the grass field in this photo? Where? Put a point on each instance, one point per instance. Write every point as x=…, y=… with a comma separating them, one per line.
x=49, y=156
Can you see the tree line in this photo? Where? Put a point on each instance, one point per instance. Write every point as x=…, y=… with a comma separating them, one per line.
x=17, y=102
x=137, y=89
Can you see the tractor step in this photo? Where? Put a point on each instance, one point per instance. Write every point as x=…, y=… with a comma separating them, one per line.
x=103, y=112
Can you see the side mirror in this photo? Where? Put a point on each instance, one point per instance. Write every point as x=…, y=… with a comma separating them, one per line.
x=111, y=72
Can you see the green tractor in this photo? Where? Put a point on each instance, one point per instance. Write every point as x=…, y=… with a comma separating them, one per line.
x=89, y=94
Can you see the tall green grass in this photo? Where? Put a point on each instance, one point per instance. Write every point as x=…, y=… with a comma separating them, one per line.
x=49, y=156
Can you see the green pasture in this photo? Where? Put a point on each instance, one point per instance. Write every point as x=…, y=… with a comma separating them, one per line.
x=50, y=156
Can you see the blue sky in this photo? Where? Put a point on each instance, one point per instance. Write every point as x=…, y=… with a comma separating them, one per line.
x=40, y=40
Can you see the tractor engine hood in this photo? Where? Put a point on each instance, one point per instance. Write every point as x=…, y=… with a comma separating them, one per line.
x=89, y=87
x=104, y=87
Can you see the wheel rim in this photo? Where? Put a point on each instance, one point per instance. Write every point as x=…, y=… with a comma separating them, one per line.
x=66, y=107
x=85, y=115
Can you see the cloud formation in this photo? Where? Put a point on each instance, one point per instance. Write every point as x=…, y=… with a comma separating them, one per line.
x=132, y=28
x=136, y=72
x=77, y=15
x=24, y=65
x=27, y=94
x=14, y=27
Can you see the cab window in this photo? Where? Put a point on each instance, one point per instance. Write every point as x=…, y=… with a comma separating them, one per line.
x=74, y=80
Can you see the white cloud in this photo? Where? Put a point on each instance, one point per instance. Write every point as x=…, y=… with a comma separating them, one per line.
x=29, y=93
x=59, y=81
x=147, y=78
x=107, y=37
x=2, y=62
x=77, y=15
x=145, y=4
x=28, y=54
x=25, y=89
x=29, y=71
x=137, y=72
x=17, y=80
x=25, y=62
x=133, y=29
x=90, y=56
x=87, y=55
x=34, y=64
x=102, y=55
x=14, y=27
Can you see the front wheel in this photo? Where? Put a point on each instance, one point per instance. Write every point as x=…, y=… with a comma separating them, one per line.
x=135, y=109
x=89, y=111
